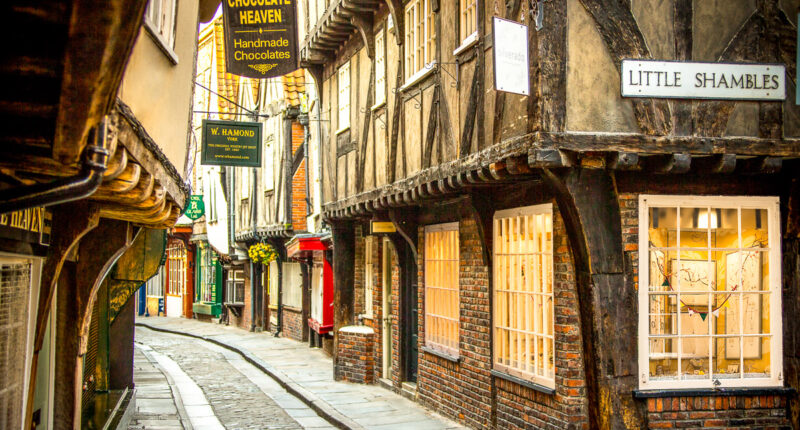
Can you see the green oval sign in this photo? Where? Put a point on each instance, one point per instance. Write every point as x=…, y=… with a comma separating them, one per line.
x=196, y=208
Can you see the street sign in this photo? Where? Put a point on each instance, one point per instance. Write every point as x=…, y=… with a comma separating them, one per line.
x=260, y=37
x=510, y=56
x=231, y=143
x=196, y=208
x=684, y=80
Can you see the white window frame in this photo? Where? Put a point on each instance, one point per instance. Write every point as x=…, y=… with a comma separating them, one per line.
x=160, y=20
x=369, y=273
x=380, y=69
x=467, y=10
x=292, y=285
x=155, y=285
x=235, y=279
x=176, y=259
x=419, y=48
x=772, y=205
x=438, y=346
x=343, y=104
x=543, y=380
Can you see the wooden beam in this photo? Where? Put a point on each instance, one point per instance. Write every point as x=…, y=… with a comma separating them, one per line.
x=548, y=158
x=674, y=163
x=682, y=20
x=619, y=30
x=760, y=165
x=623, y=161
x=472, y=112
x=71, y=222
x=430, y=135
x=405, y=222
x=719, y=163
x=589, y=206
x=344, y=245
x=101, y=37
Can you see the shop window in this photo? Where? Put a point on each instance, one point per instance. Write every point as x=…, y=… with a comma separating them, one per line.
x=380, y=68
x=176, y=261
x=273, y=283
x=420, y=38
x=155, y=285
x=523, y=293
x=292, y=285
x=16, y=325
x=467, y=21
x=344, y=96
x=710, y=297
x=369, y=273
x=441, y=288
x=234, y=290
x=208, y=282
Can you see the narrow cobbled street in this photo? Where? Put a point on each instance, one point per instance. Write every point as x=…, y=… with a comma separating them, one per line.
x=189, y=383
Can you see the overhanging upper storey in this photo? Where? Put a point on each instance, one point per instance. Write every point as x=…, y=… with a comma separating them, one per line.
x=335, y=27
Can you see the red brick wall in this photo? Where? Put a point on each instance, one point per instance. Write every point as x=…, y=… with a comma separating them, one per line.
x=298, y=182
x=358, y=279
x=464, y=390
x=718, y=412
x=356, y=358
x=292, y=323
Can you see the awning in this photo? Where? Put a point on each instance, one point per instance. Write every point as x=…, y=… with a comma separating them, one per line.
x=303, y=246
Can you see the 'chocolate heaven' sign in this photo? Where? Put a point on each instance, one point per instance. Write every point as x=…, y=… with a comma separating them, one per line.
x=670, y=79
x=260, y=37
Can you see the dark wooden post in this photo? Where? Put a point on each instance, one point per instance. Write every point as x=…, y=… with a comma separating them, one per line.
x=96, y=254
x=344, y=260
x=589, y=205
x=306, y=268
x=121, y=334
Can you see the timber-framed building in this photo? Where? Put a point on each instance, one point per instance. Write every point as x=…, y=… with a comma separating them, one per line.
x=572, y=258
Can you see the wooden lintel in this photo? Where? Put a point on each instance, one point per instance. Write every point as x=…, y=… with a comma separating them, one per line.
x=718, y=163
x=668, y=163
x=518, y=165
x=498, y=170
x=623, y=161
x=548, y=158
x=759, y=165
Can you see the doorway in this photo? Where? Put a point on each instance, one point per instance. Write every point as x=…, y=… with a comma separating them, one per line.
x=386, y=313
x=409, y=307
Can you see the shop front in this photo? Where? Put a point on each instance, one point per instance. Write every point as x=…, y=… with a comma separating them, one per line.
x=314, y=251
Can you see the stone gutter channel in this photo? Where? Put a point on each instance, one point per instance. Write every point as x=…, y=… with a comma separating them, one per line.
x=322, y=408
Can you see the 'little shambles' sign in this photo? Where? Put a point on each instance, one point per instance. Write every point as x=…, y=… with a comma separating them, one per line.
x=231, y=143
x=668, y=79
x=260, y=37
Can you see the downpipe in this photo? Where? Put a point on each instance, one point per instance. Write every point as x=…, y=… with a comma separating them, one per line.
x=82, y=185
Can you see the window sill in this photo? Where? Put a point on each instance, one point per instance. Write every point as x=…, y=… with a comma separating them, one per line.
x=726, y=392
x=235, y=304
x=471, y=40
x=420, y=75
x=440, y=354
x=378, y=105
x=170, y=54
x=341, y=130
x=532, y=385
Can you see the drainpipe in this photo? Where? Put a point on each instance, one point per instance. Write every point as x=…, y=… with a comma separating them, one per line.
x=280, y=295
x=306, y=136
x=253, y=216
x=82, y=185
x=319, y=150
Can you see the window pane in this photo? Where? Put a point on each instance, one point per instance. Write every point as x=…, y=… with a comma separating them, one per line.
x=756, y=356
x=663, y=357
x=726, y=358
x=754, y=228
x=694, y=357
x=663, y=314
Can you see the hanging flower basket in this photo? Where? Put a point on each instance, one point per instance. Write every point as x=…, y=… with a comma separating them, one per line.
x=262, y=253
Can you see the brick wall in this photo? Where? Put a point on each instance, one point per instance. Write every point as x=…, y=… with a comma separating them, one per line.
x=464, y=390
x=292, y=323
x=356, y=359
x=718, y=412
x=358, y=279
x=299, y=207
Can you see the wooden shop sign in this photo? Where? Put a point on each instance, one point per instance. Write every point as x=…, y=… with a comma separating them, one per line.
x=260, y=37
x=376, y=227
x=30, y=225
x=231, y=143
x=683, y=80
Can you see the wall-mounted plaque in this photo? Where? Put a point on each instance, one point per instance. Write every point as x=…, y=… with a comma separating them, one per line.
x=510, y=56
x=682, y=80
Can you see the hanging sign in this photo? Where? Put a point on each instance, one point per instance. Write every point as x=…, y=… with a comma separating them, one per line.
x=196, y=208
x=682, y=80
x=231, y=143
x=260, y=37
x=510, y=48
x=31, y=225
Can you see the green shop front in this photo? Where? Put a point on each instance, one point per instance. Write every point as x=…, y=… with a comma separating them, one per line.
x=208, y=282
